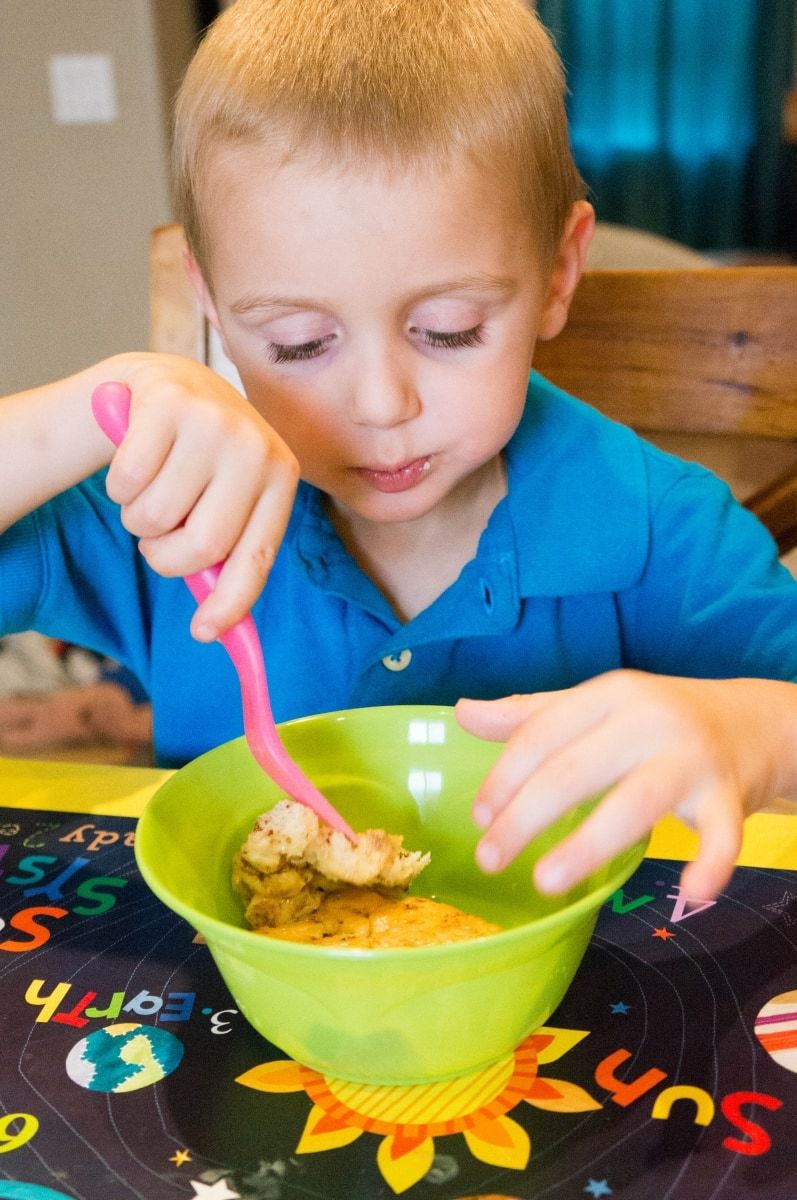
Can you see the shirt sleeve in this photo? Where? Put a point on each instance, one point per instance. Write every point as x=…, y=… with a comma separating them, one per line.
x=713, y=601
x=70, y=570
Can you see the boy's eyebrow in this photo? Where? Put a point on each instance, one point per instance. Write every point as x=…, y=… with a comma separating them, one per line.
x=479, y=282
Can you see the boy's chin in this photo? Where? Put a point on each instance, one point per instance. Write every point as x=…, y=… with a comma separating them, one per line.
x=384, y=508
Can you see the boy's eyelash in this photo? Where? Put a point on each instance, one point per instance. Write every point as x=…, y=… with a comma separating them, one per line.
x=280, y=353
x=453, y=341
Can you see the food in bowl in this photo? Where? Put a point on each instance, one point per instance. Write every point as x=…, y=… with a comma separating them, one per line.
x=304, y=882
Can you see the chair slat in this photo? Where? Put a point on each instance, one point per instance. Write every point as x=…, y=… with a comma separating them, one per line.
x=695, y=351
x=177, y=323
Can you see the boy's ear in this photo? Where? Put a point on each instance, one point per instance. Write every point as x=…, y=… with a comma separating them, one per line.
x=194, y=272
x=567, y=269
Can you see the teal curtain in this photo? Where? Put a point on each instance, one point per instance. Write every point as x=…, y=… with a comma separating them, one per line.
x=675, y=112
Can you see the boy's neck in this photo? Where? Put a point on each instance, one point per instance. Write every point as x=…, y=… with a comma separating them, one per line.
x=413, y=562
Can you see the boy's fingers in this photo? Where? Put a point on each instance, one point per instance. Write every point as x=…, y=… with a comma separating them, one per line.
x=566, y=717
x=495, y=720
x=138, y=460
x=240, y=582
x=208, y=534
x=583, y=768
x=720, y=843
x=166, y=502
x=248, y=565
x=624, y=816
x=234, y=491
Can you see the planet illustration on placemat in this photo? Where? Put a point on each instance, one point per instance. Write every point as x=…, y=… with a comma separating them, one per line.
x=776, y=1029
x=123, y=1058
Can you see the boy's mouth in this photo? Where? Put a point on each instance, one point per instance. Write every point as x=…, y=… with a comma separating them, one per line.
x=397, y=479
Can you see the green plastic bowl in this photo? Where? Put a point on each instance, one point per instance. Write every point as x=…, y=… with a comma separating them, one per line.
x=394, y=1016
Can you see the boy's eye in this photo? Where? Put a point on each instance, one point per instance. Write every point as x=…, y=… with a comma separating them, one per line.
x=282, y=353
x=452, y=341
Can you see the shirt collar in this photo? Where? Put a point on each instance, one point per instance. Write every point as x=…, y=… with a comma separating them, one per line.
x=327, y=562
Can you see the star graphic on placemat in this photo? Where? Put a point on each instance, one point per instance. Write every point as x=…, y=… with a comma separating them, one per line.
x=598, y=1187
x=620, y=1007
x=215, y=1191
x=663, y=934
x=780, y=907
x=179, y=1157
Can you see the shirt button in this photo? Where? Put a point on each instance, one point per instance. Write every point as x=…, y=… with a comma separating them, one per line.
x=397, y=662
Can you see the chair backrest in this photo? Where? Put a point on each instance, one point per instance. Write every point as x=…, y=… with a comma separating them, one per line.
x=704, y=361
x=690, y=351
x=176, y=322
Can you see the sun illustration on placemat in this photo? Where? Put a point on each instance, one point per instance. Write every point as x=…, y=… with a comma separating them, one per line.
x=409, y=1118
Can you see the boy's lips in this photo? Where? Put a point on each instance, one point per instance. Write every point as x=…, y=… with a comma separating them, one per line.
x=397, y=479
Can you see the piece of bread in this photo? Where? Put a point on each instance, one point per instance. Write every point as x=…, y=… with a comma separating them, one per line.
x=304, y=882
x=291, y=834
x=290, y=861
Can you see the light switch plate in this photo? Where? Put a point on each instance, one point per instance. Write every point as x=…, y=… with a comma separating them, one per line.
x=82, y=89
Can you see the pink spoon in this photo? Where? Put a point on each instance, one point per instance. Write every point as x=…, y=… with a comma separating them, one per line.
x=110, y=403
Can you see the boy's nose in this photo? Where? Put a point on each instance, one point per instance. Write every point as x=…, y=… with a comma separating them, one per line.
x=382, y=396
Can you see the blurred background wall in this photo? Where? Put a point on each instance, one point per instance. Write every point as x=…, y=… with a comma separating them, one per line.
x=85, y=92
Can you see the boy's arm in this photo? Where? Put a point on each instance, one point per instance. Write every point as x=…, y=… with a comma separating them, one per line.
x=200, y=477
x=50, y=441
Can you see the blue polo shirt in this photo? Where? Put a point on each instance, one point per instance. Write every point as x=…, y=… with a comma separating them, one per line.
x=606, y=552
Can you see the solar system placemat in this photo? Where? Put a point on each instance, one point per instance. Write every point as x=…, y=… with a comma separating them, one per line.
x=669, y=1070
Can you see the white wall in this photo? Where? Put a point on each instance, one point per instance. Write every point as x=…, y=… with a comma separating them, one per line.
x=78, y=200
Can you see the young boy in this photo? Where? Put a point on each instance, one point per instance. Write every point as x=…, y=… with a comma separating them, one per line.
x=383, y=216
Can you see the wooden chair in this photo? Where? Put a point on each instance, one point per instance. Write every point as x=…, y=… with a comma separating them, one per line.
x=701, y=361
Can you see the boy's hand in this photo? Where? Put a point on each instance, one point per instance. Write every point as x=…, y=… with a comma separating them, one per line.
x=201, y=478
x=707, y=750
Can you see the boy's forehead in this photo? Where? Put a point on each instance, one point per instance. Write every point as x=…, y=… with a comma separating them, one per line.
x=257, y=167
x=253, y=195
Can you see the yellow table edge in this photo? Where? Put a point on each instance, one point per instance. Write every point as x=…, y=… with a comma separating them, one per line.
x=770, y=839
x=78, y=787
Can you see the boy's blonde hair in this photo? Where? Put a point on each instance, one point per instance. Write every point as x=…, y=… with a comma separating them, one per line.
x=394, y=81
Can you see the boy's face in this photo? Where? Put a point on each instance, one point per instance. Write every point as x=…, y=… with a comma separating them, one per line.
x=383, y=324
